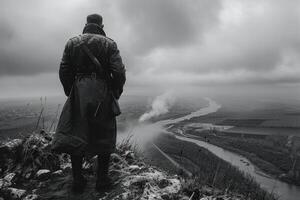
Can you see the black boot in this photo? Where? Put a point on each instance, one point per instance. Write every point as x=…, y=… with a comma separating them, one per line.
x=79, y=182
x=103, y=183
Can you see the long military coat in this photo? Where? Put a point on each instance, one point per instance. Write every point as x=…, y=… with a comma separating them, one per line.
x=87, y=124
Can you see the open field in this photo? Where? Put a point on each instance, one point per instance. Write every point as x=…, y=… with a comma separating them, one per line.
x=269, y=153
x=258, y=117
x=20, y=117
x=261, y=134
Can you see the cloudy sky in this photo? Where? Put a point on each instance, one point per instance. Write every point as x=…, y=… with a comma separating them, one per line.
x=212, y=45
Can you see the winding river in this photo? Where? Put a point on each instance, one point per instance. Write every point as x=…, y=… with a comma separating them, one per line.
x=283, y=190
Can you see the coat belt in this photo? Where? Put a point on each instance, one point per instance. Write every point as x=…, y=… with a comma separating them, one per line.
x=89, y=75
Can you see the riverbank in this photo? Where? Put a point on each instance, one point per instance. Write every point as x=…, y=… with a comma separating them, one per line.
x=268, y=154
x=207, y=169
x=182, y=126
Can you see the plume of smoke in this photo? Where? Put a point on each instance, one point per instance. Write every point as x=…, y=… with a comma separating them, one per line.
x=160, y=105
x=142, y=133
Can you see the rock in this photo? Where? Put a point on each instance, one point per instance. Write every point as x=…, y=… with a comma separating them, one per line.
x=15, y=193
x=27, y=172
x=28, y=175
x=2, y=198
x=43, y=174
x=129, y=155
x=87, y=166
x=8, y=152
x=31, y=197
x=42, y=132
x=207, y=190
x=116, y=166
x=281, y=176
x=7, y=180
x=41, y=185
x=11, y=145
x=207, y=198
x=134, y=168
x=9, y=177
x=4, y=183
x=1, y=183
x=163, y=183
x=115, y=158
x=58, y=173
x=34, y=147
x=165, y=197
x=66, y=167
x=47, y=137
x=185, y=198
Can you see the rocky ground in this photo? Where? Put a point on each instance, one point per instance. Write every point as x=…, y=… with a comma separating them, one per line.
x=30, y=171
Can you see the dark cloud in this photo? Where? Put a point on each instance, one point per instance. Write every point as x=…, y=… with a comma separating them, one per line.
x=169, y=23
x=165, y=42
x=6, y=31
x=25, y=63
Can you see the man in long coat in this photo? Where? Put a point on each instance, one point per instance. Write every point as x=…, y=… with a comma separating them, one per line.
x=91, y=92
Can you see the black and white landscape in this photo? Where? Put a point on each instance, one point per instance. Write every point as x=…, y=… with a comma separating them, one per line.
x=212, y=95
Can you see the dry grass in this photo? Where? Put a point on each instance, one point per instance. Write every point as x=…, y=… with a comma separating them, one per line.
x=210, y=170
x=37, y=153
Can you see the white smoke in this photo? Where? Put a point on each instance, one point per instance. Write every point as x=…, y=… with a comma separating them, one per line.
x=160, y=105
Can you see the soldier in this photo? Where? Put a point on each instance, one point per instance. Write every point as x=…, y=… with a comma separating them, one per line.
x=92, y=75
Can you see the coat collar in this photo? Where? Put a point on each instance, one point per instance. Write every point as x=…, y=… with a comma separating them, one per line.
x=94, y=29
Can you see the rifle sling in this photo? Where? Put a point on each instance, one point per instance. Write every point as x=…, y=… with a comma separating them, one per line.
x=92, y=57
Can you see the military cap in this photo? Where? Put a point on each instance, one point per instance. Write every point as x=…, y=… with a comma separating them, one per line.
x=94, y=18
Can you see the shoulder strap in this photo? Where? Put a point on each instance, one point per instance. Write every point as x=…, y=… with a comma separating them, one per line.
x=92, y=57
x=96, y=62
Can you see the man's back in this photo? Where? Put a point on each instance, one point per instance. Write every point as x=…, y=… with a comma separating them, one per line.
x=87, y=124
x=76, y=61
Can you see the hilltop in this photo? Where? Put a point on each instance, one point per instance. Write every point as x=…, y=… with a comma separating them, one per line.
x=29, y=170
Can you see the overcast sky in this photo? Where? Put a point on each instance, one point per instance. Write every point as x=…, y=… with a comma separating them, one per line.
x=170, y=44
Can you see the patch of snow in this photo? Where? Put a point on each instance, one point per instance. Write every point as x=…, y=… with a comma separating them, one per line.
x=13, y=143
x=133, y=168
x=7, y=180
x=150, y=182
x=9, y=177
x=57, y=173
x=16, y=193
x=31, y=197
x=43, y=174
